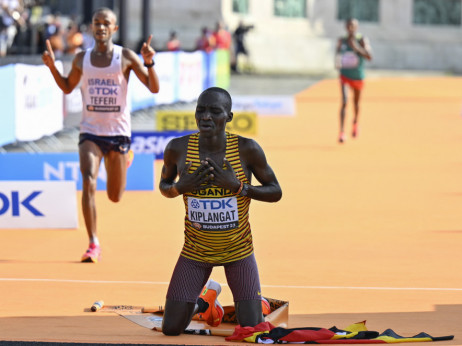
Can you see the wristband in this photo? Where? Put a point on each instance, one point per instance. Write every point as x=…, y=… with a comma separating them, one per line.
x=240, y=188
x=244, y=190
x=150, y=65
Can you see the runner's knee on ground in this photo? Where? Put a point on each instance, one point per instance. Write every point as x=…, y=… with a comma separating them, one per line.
x=177, y=317
x=249, y=312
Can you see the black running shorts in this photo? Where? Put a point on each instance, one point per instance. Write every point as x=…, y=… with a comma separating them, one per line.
x=120, y=144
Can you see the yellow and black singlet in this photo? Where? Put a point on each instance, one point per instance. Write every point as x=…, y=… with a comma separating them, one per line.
x=217, y=228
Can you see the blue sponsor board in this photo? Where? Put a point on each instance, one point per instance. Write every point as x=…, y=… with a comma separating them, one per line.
x=65, y=166
x=154, y=142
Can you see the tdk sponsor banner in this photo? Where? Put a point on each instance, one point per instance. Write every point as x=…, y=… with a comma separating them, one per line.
x=65, y=166
x=38, y=204
x=244, y=123
x=38, y=102
x=154, y=142
x=265, y=105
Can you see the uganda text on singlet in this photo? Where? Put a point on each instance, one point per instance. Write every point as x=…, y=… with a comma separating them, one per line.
x=217, y=228
x=104, y=97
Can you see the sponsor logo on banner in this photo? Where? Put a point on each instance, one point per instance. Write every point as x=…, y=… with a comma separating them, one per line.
x=265, y=105
x=38, y=204
x=243, y=123
x=65, y=166
x=154, y=142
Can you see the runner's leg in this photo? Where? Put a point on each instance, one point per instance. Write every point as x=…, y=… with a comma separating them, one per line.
x=116, y=169
x=244, y=281
x=344, y=92
x=188, y=279
x=177, y=316
x=90, y=158
x=356, y=99
x=249, y=312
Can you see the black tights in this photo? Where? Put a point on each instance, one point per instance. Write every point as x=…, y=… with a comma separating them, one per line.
x=178, y=315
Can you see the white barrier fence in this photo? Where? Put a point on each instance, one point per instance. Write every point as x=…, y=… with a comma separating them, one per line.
x=33, y=106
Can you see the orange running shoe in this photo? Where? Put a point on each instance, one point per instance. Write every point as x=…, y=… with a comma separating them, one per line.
x=214, y=312
x=130, y=157
x=93, y=254
x=265, y=306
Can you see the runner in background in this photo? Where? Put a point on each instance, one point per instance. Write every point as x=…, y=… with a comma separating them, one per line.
x=105, y=129
x=352, y=50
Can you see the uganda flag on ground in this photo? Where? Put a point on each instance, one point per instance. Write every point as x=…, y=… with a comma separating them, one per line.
x=266, y=333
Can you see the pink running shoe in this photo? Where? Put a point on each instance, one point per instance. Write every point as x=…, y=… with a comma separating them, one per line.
x=341, y=137
x=355, y=131
x=130, y=157
x=93, y=254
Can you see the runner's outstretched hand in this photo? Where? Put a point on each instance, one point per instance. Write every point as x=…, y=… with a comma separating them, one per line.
x=48, y=57
x=147, y=52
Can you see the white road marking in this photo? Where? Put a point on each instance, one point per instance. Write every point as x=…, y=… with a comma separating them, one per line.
x=263, y=286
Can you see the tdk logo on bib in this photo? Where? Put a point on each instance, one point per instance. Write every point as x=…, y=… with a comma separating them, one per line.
x=213, y=214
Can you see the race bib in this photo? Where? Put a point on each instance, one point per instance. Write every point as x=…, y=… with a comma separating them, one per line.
x=219, y=214
x=349, y=60
x=103, y=95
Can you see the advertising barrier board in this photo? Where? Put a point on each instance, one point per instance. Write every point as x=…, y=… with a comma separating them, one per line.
x=243, y=123
x=38, y=204
x=270, y=105
x=65, y=166
x=7, y=129
x=38, y=102
x=154, y=142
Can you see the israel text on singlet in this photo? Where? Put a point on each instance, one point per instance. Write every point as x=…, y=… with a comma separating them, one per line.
x=217, y=228
x=104, y=97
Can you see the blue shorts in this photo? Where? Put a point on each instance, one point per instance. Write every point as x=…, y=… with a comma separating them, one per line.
x=189, y=278
x=120, y=144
